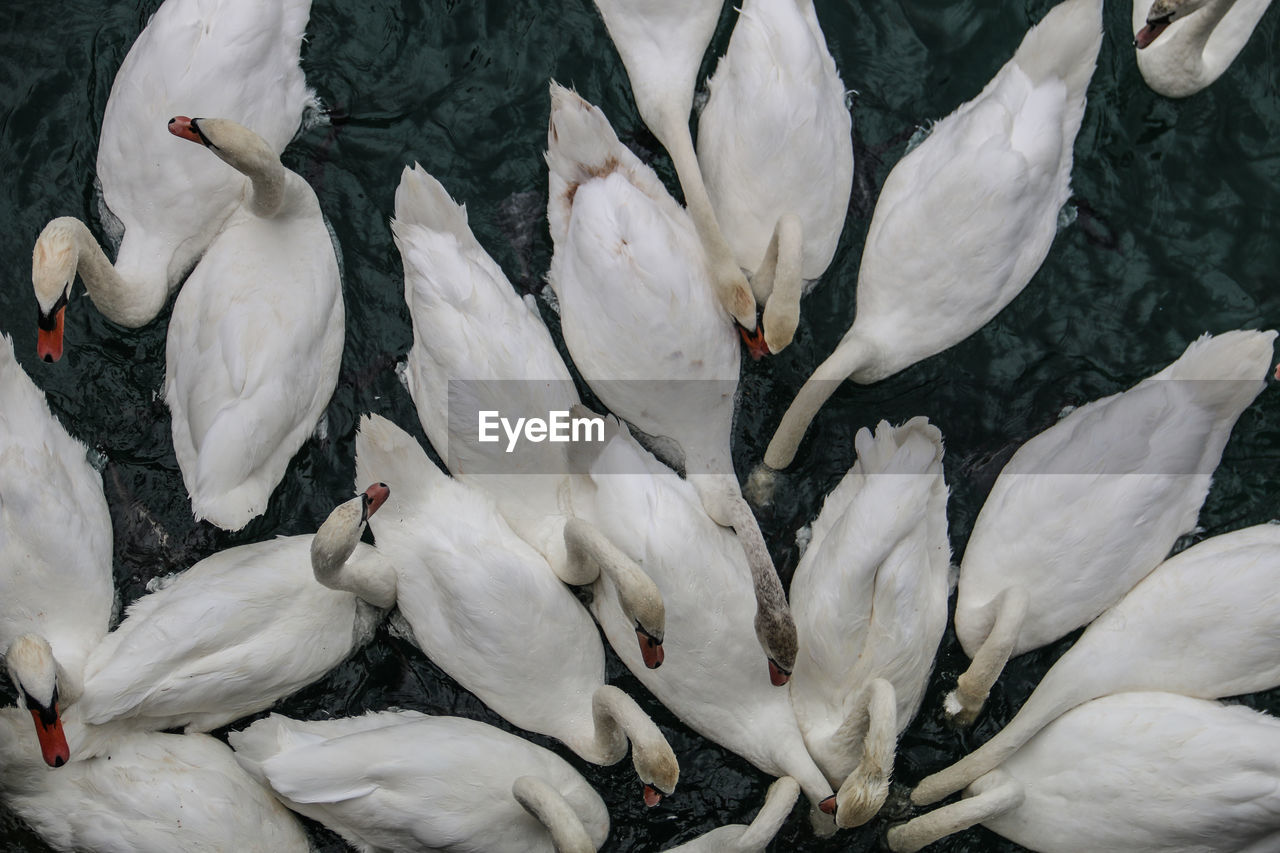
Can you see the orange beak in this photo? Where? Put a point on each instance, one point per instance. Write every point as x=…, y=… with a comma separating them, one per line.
x=377, y=495
x=49, y=341
x=652, y=796
x=755, y=342
x=650, y=649
x=828, y=805
x=182, y=127
x=778, y=676
x=53, y=743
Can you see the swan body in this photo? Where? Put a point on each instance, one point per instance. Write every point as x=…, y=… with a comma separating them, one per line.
x=644, y=330
x=661, y=43
x=141, y=792
x=479, y=348
x=256, y=337
x=1134, y=772
x=963, y=220
x=455, y=796
x=55, y=554
x=242, y=628
x=775, y=141
x=486, y=608
x=870, y=601
x=233, y=58
x=1087, y=508
x=1201, y=624
x=752, y=838
x=707, y=680
x=1184, y=45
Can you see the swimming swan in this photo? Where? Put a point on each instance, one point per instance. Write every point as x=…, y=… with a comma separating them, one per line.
x=55, y=556
x=963, y=220
x=1087, y=508
x=776, y=148
x=1184, y=45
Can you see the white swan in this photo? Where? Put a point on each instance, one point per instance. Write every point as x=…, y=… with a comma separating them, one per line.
x=55, y=555
x=477, y=347
x=753, y=838
x=870, y=601
x=644, y=330
x=233, y=58
x=1184, y=45
x=469, y=786
x=487, y=609
x=141, y=792
x=1087, y=508
x=963, y=221
x=1135, y=772
x=776, y=148
x=255, y=341
x=243, y=628
x=1202, y=624
x=661, y=43
x=708, y=679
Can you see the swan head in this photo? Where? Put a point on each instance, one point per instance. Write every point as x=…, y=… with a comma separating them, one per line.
x=1162, y=14
x=53, y=270
x=776, y=631
x=337, y=538
x=35, y=673
x=233, y=143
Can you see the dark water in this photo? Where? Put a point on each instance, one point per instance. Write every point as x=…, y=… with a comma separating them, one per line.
x=1175, y=236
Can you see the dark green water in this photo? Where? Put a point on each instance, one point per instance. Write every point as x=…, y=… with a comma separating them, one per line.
x=1178, y=213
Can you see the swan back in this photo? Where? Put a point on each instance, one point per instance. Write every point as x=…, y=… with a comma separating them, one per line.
x=984, y=190
x=791, y=150
x=661, y=43
x=870, y=593
x=483, y=605
x=232, y=58
x=55, y=528
x=1088, y=507
x=1148, y=772
x=455, y=793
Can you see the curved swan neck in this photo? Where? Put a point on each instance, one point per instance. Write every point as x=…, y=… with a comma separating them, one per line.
x=67, y=244
x=996, y=793
x=618, y=719
x=545, y=803
x=851, y=355
x=590, y=553
x=779, y=800
x=338, y=564
x=783, y=268
x=247, y=153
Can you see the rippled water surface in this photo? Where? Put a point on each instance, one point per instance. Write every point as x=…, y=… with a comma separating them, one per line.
x=1177, y=214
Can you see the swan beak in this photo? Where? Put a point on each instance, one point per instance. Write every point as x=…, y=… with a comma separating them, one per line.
x=755, y=342
x=53, y=743
x=777, y=675
x=650, y=649
x=187, y=128
x=49, y=334
x=376, y=495
x=829, y=805
x=1148, y=34
x=652, y=796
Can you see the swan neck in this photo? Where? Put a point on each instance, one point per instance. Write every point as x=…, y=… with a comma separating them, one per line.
x=619, y=720
x=363, y=572
x=116, y=298
x=852, y=355
x=267, y=187
x=590, y=553
x=545, y=803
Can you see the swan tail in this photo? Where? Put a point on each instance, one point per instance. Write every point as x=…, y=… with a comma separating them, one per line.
x=1064, y=45
x=778, y=803
x=1243, y=356
x=581, y=144
x=912, y=448
x=423, y=200
x=385, y=453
